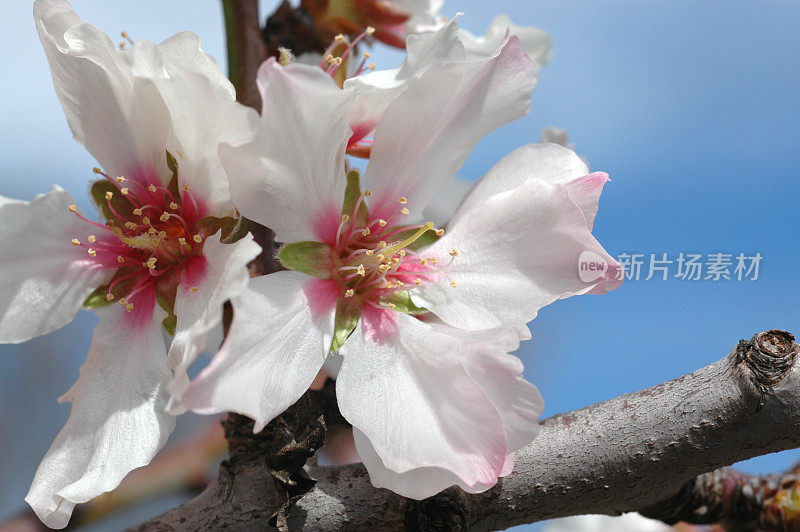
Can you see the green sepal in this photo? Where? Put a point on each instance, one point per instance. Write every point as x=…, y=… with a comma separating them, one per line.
x=98, y=192
x=351, y=194
x=172, y=164
x=165, y=296
x=169, y=323
x=97, y=299
x=402, y=303
x=312, y=258
x=347, y=316
x=426, y=239
x=233, y=229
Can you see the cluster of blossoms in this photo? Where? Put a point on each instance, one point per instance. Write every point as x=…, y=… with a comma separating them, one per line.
x=411, y=306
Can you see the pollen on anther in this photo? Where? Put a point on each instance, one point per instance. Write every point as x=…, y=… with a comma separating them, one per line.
x=162, y=234
x=402, y=199
x=96, y=170
x=92, y=253
x=370, y=30
x=383, y=268
x=434, y=260
x=146, y=220
x=369, y=252
x=382, y=222
x=164, y=217
x=186, y=188
x=120, y=259
x=439, y=232
x=152, y=231
x=194, y=289
x=338, y=38
x=345, y=218
x=173, y=205
x=349, y=292
x=380, y=256
x=404, y=210
x=120, y=179
x=382, y=243
x=402, y=253
x=109, y=195
x=129, y=307
x=197, y=238
x=417, y=281
x=73, y=208
x=365, y=231
x=124, y=191
x=182, y=241
x=152, y=188
x=109, y=297
x=368, y=192
x=130, y=225
x=453, y=253
x=137, y=212
x=92, y=239
x=423, y=261
x=361, y=270
x=453, y=284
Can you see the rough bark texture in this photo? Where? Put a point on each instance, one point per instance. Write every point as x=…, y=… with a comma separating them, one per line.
x=633, y=452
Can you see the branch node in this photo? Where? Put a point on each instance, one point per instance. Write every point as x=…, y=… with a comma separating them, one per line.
x=765, y=360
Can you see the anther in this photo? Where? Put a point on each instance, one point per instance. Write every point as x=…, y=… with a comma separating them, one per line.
x=120, y=259
x=73, y=208
x=129, y=307
x=109, y=297
x=197, y=238
x=92, y=239
x=151, y=262
x=120, y=179
x=162, y=234
x=345, y=218
x=402, y=199
x=417, y=281
x=130, y=225
x=453, y=253
x=368, y=192
x=109, y=195
x=434, y=260
x=369, y=252
x=137, y=212
x=423, y=261
x=361, y=270
x=382, y=222
x=152, y=188
x=164, y=217
x=146, y=220
x=76, y=242
x=384, y=268
x=194, y=289
x=367, y=55
x=404, y=210
x=339, y=38
x=186, y=188
x=182, y=241
x=402, y=253
x=96, y=170
x=365, y=231
x=92, y=253
x=173, y=205
x=349, y=292
x=439, y=232
x=453, y=284
x=382, y=243
x=152, y=231
x=380, y=257
x=370, y=30
x=124, y=191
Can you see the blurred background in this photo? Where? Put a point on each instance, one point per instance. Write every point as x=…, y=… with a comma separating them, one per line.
x=691, y=107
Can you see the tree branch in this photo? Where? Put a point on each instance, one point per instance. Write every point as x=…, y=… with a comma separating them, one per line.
x=246, y=48
x=629, y=453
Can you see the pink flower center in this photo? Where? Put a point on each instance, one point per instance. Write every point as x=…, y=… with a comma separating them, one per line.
x=374, y=261
x=151, y=237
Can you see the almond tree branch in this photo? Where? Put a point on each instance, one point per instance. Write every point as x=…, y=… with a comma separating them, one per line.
x=633, y=452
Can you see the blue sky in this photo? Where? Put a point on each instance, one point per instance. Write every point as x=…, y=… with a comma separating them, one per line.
x=691, y=107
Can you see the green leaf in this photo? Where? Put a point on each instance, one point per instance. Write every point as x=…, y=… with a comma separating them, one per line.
x=97, y=299
x=98, y=191
x=313, y=258
x=347, y=316
x=402, y=303
x=165, y=296
x=351, y=195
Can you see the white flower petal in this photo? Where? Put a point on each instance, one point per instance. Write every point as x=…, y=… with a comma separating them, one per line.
x=200, y=311
x=446, y=202
x=119, y=118
x=183, y=51
x=375, y=91
x=536, y=43
x=44, y=278
x=117, y=422
x=274, y=349
x=408, y=392
x=429, y=130
x=297, y=156
x=518, y=250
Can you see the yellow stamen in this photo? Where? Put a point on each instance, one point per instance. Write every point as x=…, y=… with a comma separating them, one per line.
x=152, y=188
x=394, y=248
x=76, y=242
x=402, y=199
x=73, y=208
x=439, y=232
x=453, y=253
x=164, y=217
x=92, y=238
x=349, y=293
x=137, y=212
x=405, y=211
x=92, y=253
x=109, y=297
x=197, y=238
x=361, y=270
x=120, y=179
x=194, y=289
x=120, y=259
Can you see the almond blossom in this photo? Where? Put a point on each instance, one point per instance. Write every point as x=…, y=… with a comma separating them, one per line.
x=420, y=320
x=152, y=116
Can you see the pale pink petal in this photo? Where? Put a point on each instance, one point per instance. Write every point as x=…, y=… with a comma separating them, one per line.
x=446, y=202
x=117, y=422
x=225, y=275
x=276, y=345
x=405, y=388
x=44, y=278
x=518, y=250
x=429, y=130
x=297, y=156
x=120, y=118
x=536, y=43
